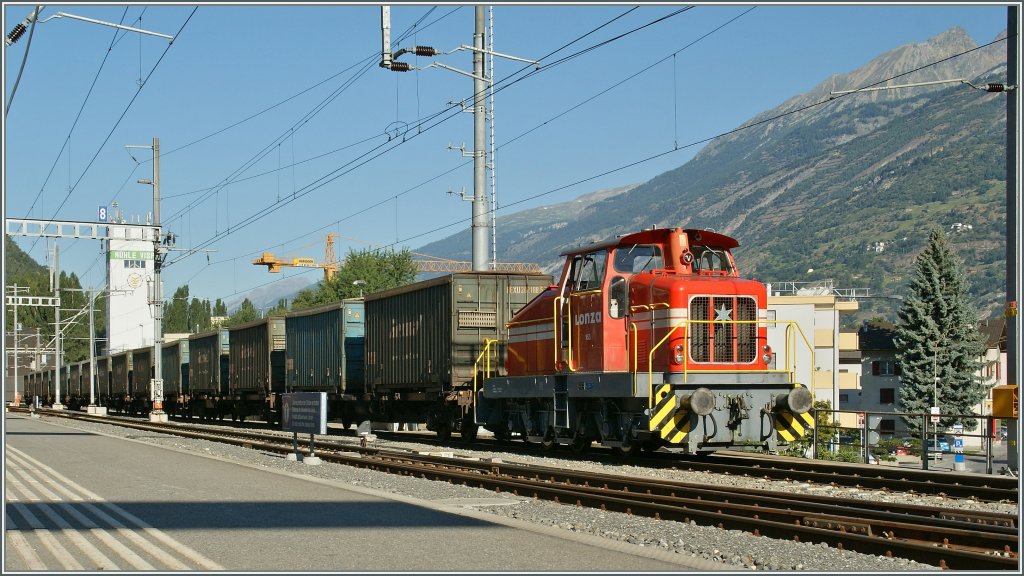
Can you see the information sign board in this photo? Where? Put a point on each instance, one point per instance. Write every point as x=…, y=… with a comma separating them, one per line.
x=304, y=412
x=935, y=414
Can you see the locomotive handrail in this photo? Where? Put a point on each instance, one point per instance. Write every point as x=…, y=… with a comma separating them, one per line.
x=639, y=307
x=484, y=354
x=789, y=339
x=557, y=325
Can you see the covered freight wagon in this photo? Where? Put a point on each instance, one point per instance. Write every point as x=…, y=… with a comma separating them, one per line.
x=174, y=371
x=121, y=381
x=103, y=380
x=74, y=384
x=142, y=379
x=208, y=373
x=256, y=368
x=423, y=340
x=324, y=353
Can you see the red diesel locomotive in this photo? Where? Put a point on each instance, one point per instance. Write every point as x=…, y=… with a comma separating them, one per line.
x=651, y=339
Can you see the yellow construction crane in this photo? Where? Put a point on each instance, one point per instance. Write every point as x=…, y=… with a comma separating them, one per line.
x=275, y=264
x=330, y=265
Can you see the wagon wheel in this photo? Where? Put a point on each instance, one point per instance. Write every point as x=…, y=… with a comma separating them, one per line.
x=580, y=444
x=469, y=429
x=548, y=443
x=444, y=431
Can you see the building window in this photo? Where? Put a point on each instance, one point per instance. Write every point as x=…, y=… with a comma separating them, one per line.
x=887, y=426
x=886, y=395
x=844, y=399
x=885, y=368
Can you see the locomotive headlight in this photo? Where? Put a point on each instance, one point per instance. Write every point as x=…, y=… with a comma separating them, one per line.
x=767, y=356
x=677, y=354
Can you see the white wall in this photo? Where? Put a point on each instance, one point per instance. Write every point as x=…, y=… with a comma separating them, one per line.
x=129, y=278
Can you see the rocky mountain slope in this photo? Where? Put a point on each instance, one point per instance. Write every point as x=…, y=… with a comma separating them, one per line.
x=846, y=186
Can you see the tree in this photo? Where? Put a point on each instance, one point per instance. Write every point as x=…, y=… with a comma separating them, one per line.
x=938, y=343
x=220, y=308
x=176, y=313
x=246, y=313
x=378, y=270
x=199, y=315
x=280, y=308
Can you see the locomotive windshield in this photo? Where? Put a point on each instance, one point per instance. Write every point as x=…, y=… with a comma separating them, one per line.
x=711, y=258
x=638, y=258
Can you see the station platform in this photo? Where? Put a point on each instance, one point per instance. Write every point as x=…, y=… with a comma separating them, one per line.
x=82, y=501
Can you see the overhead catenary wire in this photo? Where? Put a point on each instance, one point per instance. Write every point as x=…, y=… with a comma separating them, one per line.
x=362, y=66
x=818, y=104
x=448, y=114
x=120, y=119
x=81, y=109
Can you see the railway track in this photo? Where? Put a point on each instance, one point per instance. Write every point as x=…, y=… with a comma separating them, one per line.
x=932, y=535
x=978, y=487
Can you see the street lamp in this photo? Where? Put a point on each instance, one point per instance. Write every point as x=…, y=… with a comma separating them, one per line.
x=360, y=284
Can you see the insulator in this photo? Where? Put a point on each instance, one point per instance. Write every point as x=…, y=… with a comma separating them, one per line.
x=399, y=67
x=424, y=51
x=995, y=87
x=16, y=33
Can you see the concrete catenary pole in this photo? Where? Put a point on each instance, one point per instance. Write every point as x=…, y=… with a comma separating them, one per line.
x=57, y=404
x=157, y=384
x=17, y=401
x=480, y=224
x=1012, y=231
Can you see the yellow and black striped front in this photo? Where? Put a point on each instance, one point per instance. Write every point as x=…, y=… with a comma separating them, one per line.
x=671, y=423
x=791, y=426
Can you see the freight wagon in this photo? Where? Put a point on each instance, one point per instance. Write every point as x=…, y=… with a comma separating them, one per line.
x=74, y=383
x=103, y=380
x=208, y=374
x=174, y=371
x=121, y=381
x=423, y=341
x=324, y=353
x=142, y=380
x=256, y=368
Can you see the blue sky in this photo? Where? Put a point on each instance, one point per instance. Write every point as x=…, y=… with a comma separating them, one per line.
x=242, y=103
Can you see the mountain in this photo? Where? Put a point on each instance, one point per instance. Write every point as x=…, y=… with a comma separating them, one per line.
x=523, y=235
x=268, y=296
x=846, y=187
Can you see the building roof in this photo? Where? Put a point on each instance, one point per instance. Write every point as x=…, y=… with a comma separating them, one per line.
x=995, y=333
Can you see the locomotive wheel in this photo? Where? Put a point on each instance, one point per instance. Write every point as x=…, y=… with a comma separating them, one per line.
x=626, y=450
x=501, y=434
x=444, y=432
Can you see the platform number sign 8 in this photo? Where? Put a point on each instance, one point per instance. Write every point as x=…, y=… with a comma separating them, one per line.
x=103, y=214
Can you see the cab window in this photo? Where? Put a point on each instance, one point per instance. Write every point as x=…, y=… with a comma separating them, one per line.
x=588, y=271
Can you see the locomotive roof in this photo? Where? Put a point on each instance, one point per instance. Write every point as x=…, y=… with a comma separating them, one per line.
x=696, y=236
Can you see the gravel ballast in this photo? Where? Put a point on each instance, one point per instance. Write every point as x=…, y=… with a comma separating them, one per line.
x=736, y=550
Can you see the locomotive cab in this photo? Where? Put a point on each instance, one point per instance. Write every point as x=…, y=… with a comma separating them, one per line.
x=651, y=339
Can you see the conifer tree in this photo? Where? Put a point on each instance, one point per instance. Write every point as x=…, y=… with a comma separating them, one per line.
x=938, y=342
